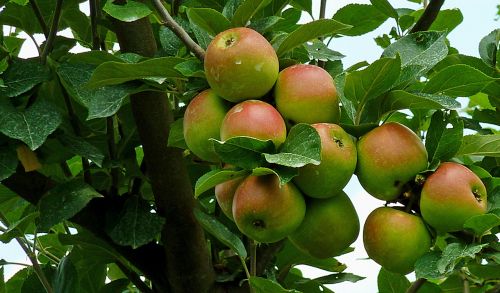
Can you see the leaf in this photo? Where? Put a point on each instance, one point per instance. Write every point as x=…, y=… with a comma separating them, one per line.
x=176, y=136
x=110, y=73
x=455, y=252
x=119, y=285
x=191, y=68
x=301, y=147
x=33, y=125
x=480, y=145
x=242, y=151
x=318, y=50
x=389, y=282
x=426, y=266
x=63, y=202
x=480, y=224
x=385, y=7
x=101, y=102
x=89, y=242
x=486, y=271
x=262, y=25
x=361, y=17
x=18, y=228
x=83, y=148
x=128, y=11
x=285, y=174
x=371, y=82
x=66, y=277
x=230, y=7
x=136, y=225
x=247, y=10
x=458, y=81
x=446, y=20
x=21, y=76
x=214, y=177
x=339, y=278
x=170, y=43
x=444, y=136
x=32, y=282
x=310, y=31
x=488, y=47
x=221, y=232
x=210, y=20
x=305, y=5
x=261, y=285
x=8, y=162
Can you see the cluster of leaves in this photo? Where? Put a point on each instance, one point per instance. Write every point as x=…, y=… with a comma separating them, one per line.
x=67, y=126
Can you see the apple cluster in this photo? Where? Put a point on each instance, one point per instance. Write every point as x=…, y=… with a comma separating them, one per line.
x=312, y=211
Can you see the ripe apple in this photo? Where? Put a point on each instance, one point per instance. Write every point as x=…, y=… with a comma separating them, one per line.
x=202, y=121
x=450, y=196
x=266, y=212
x=329, y=227
x=306, y=93
x=224, y=193
x=240, y=64
x=255, y=119
x=395, y=239
x=388, y=157
x=338, y=161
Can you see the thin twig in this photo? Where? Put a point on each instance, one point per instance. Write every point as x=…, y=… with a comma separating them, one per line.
x=16, y=264
x=253, y=257
x=93, y=24
x=416, y=285
x=322, y=12
x=134, y=278
x=53, y=32
x=39, y=16
x=169, y=22
x=112, y=155
x=428, y=17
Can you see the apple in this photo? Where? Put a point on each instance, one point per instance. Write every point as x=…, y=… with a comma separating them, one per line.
x=224, y=194
x=329, y=227
x=395, y=239
x=389, y=156
x=306, y=93
x=450, y=196
x=338, y=162
x=240, y=64
x=202, y=121
x=266, y=212
x=256, y=119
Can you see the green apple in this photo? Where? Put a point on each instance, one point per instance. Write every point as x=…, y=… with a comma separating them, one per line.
x=306, y=93
x=266, y=212
x=329, y=227
x=224, y=194
x=256, y=119
x=202, y=121
x=450, y=196
x=338, y=162
x=389, y=156
x=240, y=64
x=395, y=239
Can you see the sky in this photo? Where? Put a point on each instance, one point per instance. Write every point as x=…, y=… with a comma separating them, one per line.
x=479, y=20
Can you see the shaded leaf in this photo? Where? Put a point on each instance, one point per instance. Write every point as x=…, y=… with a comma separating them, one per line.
x=339, y=278
x=247, y=10
x=221, y=232
x=214, y=177
x=480, y=145
x=262, y=25
x=83, y=148
x=8, y=162
x=210, y=20
x=66, y=277
x=176, y=136
x=118, y=285
x=480, y=224
x=128, y=11
x=305, y=5
x=488, y=47
x=389, y=282
x=18, y=228
x=444, y=136
x=21, y=76
x=285, y=174
x=242, y=151
x=426, y=266
x=362, y=17
x=261, y=285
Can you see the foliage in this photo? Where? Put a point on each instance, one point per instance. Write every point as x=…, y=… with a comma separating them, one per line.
x=90, y=201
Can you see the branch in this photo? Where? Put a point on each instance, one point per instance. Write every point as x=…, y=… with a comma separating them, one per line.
x=416, y=285
x=93, y=24
x=39, y=16
x=53, y=32
x=134, y=278
x=115, y=174
x=428, y=17
x=169, y=22
x=322, y=10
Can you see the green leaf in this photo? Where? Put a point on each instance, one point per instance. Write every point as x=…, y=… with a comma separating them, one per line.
x=444, y=136
x=21, y=76
x=66, y=277
x=242, y=151
x=373, y=81
x=285, y=174
x=301, y=147
x=488, y=47
x=8, y=162
x=318, y=50
x=191, y=68
x=261, y=285
x=91, y=268
x=170, y=43
x=389, y=282
x=385, y=7
x=339, y=278
x=83, y=148
x=446, y=20
x=128, y=11
x=136, y=225
x=485, y=272
x=176, y=136
x=33, y=125
x=15, y=283
x=119, y=285
x=214, y=177
x=455, y=252
x=426, y=266
x=63, y=202
x=111, y=73
x=221, y=232
x=305, y=5
x=363, y=18
x=89, y=242
x=480, y=224
x=310, y=31
x=18, y=228
x=458, y=81
x=32, y=282
x=247, y=10
x=480, y=145
x=475, y=62
x=262, y=25
x=101, y=102
x=212, y=21
x=230, y=7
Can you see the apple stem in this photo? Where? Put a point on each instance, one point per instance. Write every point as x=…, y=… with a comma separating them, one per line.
x=466, y=288
x=245, y=267
x=416, y=285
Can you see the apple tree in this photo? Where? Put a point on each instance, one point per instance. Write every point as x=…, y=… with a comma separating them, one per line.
x=137, y=156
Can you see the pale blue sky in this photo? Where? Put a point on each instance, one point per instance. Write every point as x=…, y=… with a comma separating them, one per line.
x=479, y=20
